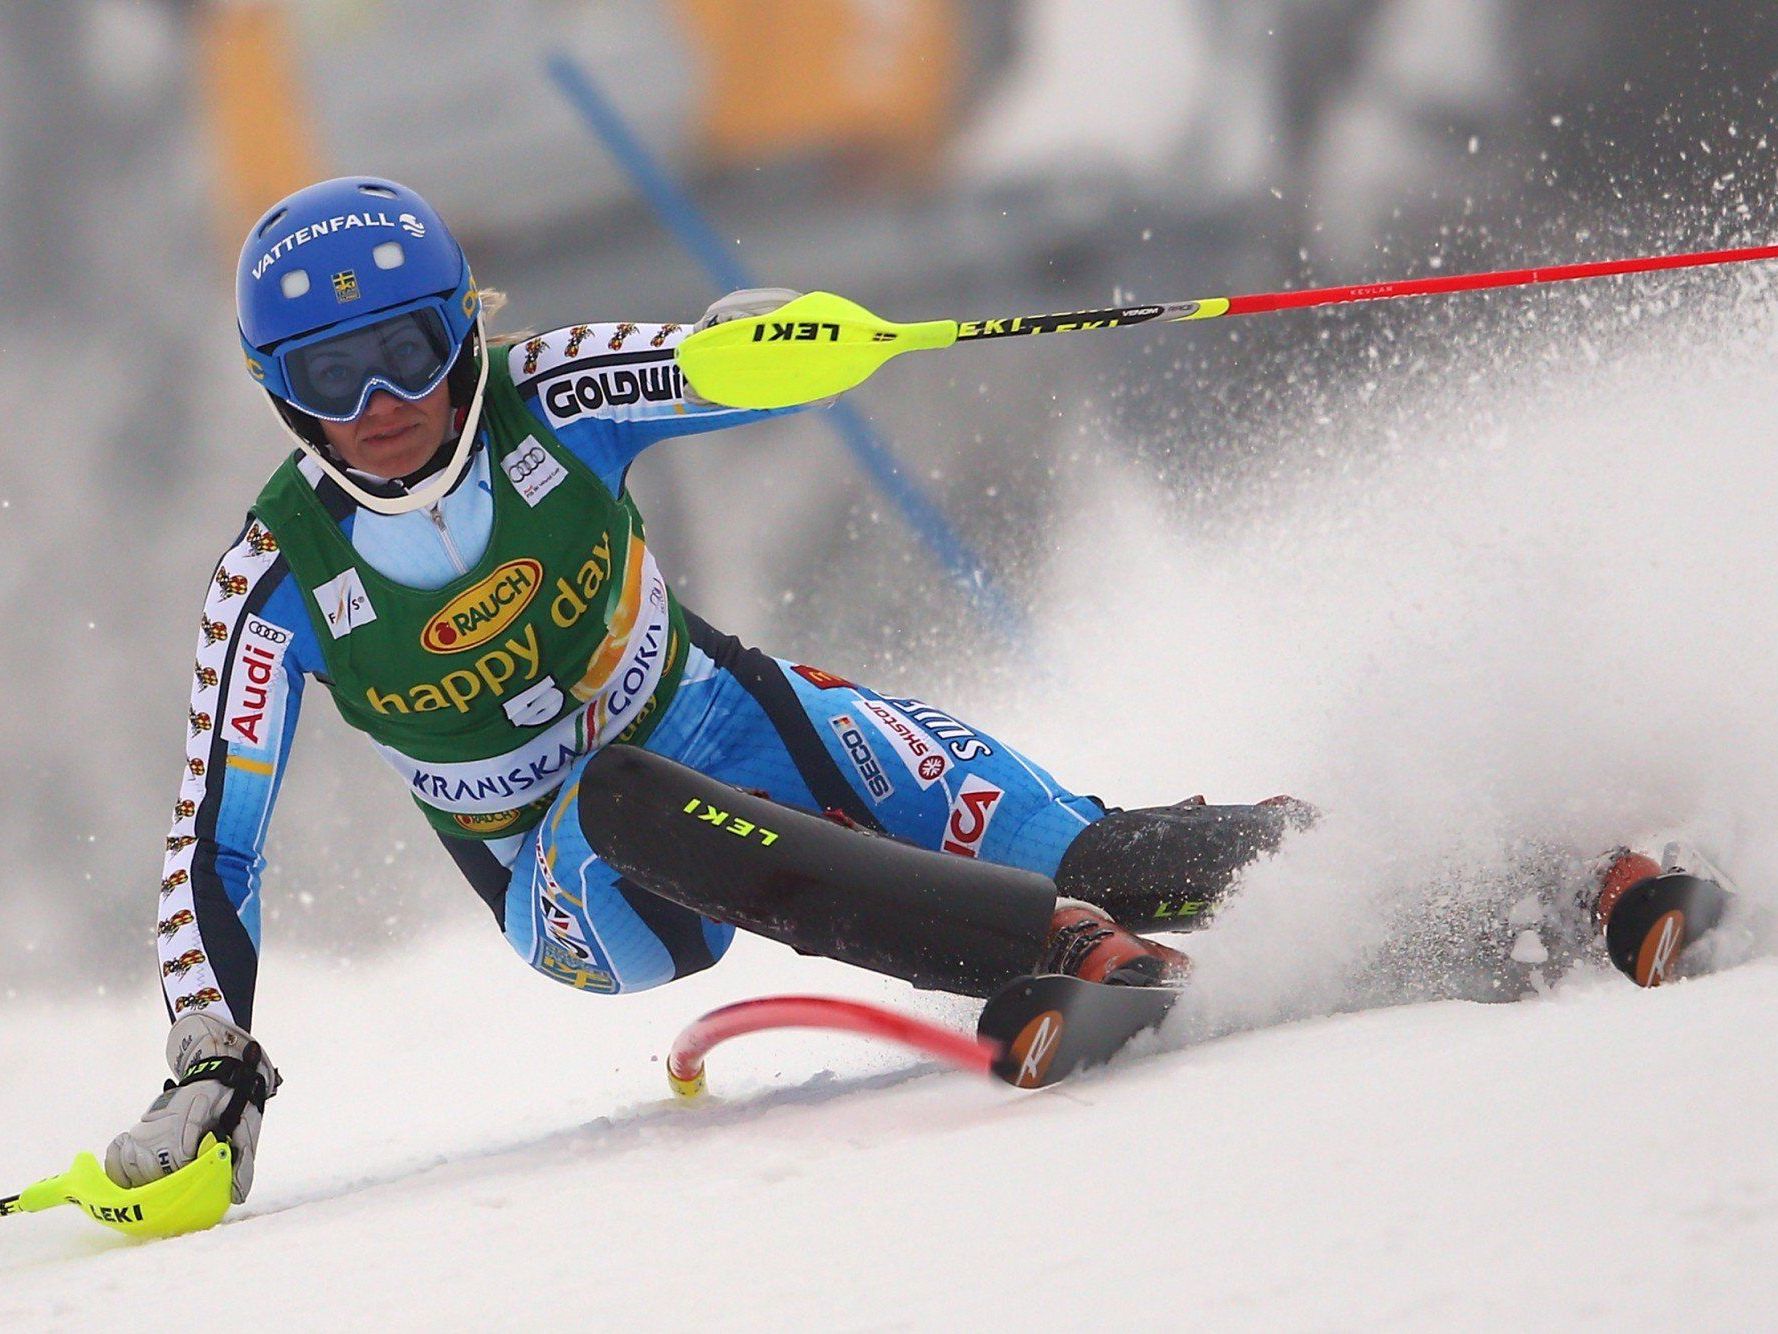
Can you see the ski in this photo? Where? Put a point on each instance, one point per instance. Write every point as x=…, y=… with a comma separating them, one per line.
x=1048, y=1026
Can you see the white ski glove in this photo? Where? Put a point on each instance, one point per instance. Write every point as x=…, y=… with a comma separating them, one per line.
x=748, y=301
x=224, y=1079
x=739, y=305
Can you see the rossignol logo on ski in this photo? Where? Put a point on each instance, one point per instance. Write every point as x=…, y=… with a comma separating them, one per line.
x=1035, y=1047
x=1658, y=949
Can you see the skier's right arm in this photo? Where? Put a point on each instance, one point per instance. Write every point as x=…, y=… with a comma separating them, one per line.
x=254, y=644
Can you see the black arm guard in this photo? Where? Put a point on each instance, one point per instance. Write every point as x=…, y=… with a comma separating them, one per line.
x=1165, y=867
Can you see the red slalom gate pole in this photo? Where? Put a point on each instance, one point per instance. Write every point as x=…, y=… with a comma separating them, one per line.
x=685, y=1062
x=1476, y=282
x=1216, y=307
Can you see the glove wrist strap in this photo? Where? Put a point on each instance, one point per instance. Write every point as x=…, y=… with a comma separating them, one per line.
x=242, y=1075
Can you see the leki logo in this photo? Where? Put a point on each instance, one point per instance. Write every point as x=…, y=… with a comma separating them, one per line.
x=1035, y=1048
x=475, y=616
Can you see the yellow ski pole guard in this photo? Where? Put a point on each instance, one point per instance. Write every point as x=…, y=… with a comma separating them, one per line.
x=815, y=347
x=189, y=1200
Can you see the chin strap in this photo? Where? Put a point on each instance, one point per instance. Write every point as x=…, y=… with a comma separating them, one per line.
x=393, y=487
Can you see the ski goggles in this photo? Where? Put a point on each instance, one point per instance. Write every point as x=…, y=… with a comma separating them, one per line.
x=332, y=374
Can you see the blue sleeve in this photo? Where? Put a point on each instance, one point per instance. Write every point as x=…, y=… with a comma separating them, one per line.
x=254, y=646
x=609, y=391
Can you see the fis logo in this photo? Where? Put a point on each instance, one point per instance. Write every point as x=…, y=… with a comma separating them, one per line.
x=344, y=604
x=168, y=927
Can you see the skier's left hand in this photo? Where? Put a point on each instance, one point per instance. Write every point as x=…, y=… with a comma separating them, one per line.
x=738, y=305
x=224, y=1077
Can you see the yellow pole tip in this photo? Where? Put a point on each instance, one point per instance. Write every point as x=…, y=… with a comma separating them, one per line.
x=687, y=1087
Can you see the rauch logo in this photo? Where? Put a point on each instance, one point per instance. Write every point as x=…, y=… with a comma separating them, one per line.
x=475, y=616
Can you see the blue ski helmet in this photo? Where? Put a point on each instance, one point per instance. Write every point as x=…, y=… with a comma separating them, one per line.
x=349, y=287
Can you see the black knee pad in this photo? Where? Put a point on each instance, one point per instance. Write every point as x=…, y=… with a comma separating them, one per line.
x=1166, y=867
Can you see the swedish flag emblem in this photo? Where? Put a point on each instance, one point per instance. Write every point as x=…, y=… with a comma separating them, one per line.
x=345, y=285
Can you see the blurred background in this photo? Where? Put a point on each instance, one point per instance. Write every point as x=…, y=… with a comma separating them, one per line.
x=926, y=157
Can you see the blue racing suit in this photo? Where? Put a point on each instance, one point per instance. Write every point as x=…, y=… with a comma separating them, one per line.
x=807, y=738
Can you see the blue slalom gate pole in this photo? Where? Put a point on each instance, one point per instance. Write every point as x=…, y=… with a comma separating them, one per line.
x=684, y=219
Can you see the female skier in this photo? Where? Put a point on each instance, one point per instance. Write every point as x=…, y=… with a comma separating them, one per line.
x=452, y=552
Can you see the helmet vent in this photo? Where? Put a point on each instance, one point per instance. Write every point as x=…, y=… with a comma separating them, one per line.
x=295, y=283
x=389, y=255
x=272, y=221
x=380, y=191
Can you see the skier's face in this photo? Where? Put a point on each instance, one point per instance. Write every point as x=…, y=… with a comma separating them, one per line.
x=392, y=437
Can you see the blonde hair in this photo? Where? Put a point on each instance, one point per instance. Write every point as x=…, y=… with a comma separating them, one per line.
x=493, y=302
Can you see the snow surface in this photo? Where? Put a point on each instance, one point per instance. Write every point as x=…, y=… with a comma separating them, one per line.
x=1601, y=1159
x=1524, y=601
